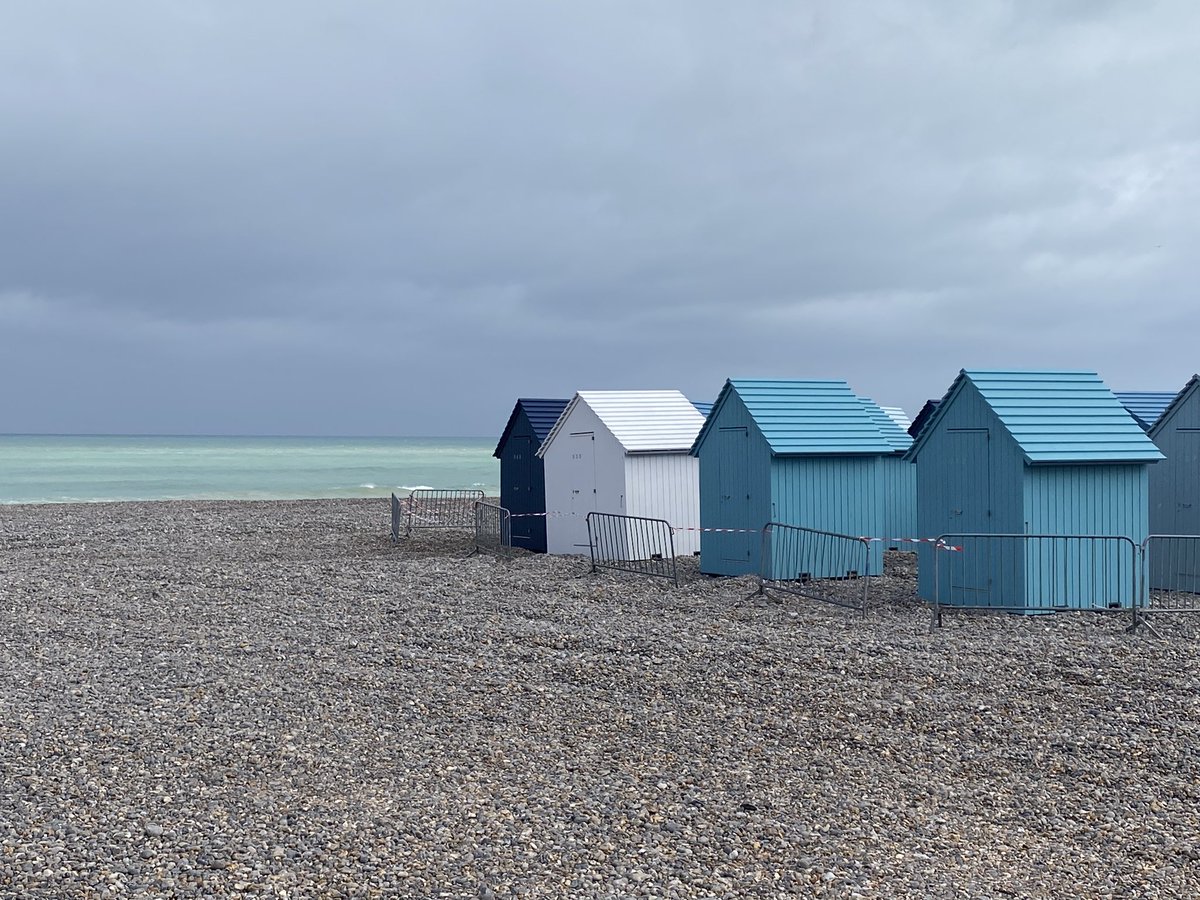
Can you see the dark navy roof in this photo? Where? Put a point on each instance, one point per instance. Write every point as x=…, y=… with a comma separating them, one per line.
x=1055, y=416
x=542, y=415
x=1146, y=406
x=923, y=416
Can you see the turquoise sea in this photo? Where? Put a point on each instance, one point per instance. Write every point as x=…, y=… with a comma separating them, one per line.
x=72, y=469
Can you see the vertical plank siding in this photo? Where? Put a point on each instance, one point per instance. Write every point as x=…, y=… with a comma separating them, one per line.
x=666, y=486
x=900, y=499
x=523, y=486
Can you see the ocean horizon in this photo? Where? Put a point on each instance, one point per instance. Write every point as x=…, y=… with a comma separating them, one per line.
x=84, y=468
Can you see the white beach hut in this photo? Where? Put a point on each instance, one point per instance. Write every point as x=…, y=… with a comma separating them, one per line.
x=622, y=452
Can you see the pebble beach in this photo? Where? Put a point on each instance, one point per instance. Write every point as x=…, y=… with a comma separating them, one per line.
x=270, y=699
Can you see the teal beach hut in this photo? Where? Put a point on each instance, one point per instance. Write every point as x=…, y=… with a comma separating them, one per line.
x=803, y=453
x=1031, y=453
x=1175, y=492
x=522, y=474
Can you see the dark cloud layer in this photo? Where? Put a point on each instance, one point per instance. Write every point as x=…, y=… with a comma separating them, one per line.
x=387, y=218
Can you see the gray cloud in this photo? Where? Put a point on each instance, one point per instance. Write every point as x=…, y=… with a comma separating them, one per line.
x=374, y=218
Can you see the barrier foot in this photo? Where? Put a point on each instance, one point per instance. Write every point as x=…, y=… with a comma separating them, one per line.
x=1140, y=622
x=761, y=592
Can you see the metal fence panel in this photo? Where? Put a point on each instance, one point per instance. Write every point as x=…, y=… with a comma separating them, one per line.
x=442, y=508
x=493, y=529
x=632, y=544
x=818, y=565
x=1171, y=573
x=1036, y=573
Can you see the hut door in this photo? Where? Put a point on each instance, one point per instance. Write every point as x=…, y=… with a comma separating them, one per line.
x=517, y=489
x=733, y=506
x=970, y=512
x=583, y=485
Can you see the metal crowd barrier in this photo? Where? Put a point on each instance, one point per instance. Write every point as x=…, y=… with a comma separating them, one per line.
x=819, y=565
x=441, y=508
x=632, y=544
x=493, y=529
x=1170, y=574
x=1036, y=573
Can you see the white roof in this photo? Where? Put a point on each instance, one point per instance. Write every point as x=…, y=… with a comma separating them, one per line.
x=897, y=415
x=641, y=421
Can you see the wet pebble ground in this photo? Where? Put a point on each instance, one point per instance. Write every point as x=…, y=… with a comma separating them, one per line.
x=268, y=699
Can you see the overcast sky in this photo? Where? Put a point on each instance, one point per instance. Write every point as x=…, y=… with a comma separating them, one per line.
x=395, y=218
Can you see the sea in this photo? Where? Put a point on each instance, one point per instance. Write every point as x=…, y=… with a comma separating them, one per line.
x=85, y=468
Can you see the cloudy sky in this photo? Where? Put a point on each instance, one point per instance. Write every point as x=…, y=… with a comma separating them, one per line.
x=394, y=218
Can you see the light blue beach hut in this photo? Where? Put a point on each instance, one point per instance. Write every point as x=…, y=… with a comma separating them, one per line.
x=1026, y=453
x=898, y=476
x=804, y=453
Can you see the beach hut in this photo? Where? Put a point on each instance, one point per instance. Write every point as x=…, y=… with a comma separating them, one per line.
x=1026, y=453
x=804, y=453
x=898, y=476
x=623, y=452
x=1175, y=492
x=1146, y=406
x=522, y=475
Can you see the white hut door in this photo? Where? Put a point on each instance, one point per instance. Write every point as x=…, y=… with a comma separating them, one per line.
x=583, y=485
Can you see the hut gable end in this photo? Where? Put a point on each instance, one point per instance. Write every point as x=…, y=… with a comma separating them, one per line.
x=1054, y=417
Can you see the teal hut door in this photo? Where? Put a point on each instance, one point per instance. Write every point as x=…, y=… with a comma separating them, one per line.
x=733, y=506
x=970, y=575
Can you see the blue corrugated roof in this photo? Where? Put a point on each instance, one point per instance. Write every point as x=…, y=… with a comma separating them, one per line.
x=542, y=414
x=807, y=417
x=1146, y=406
x=703, y=408
x=1056, y=416
x=896, y=436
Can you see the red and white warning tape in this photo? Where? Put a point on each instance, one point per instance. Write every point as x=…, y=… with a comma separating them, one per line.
x=719, y=530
